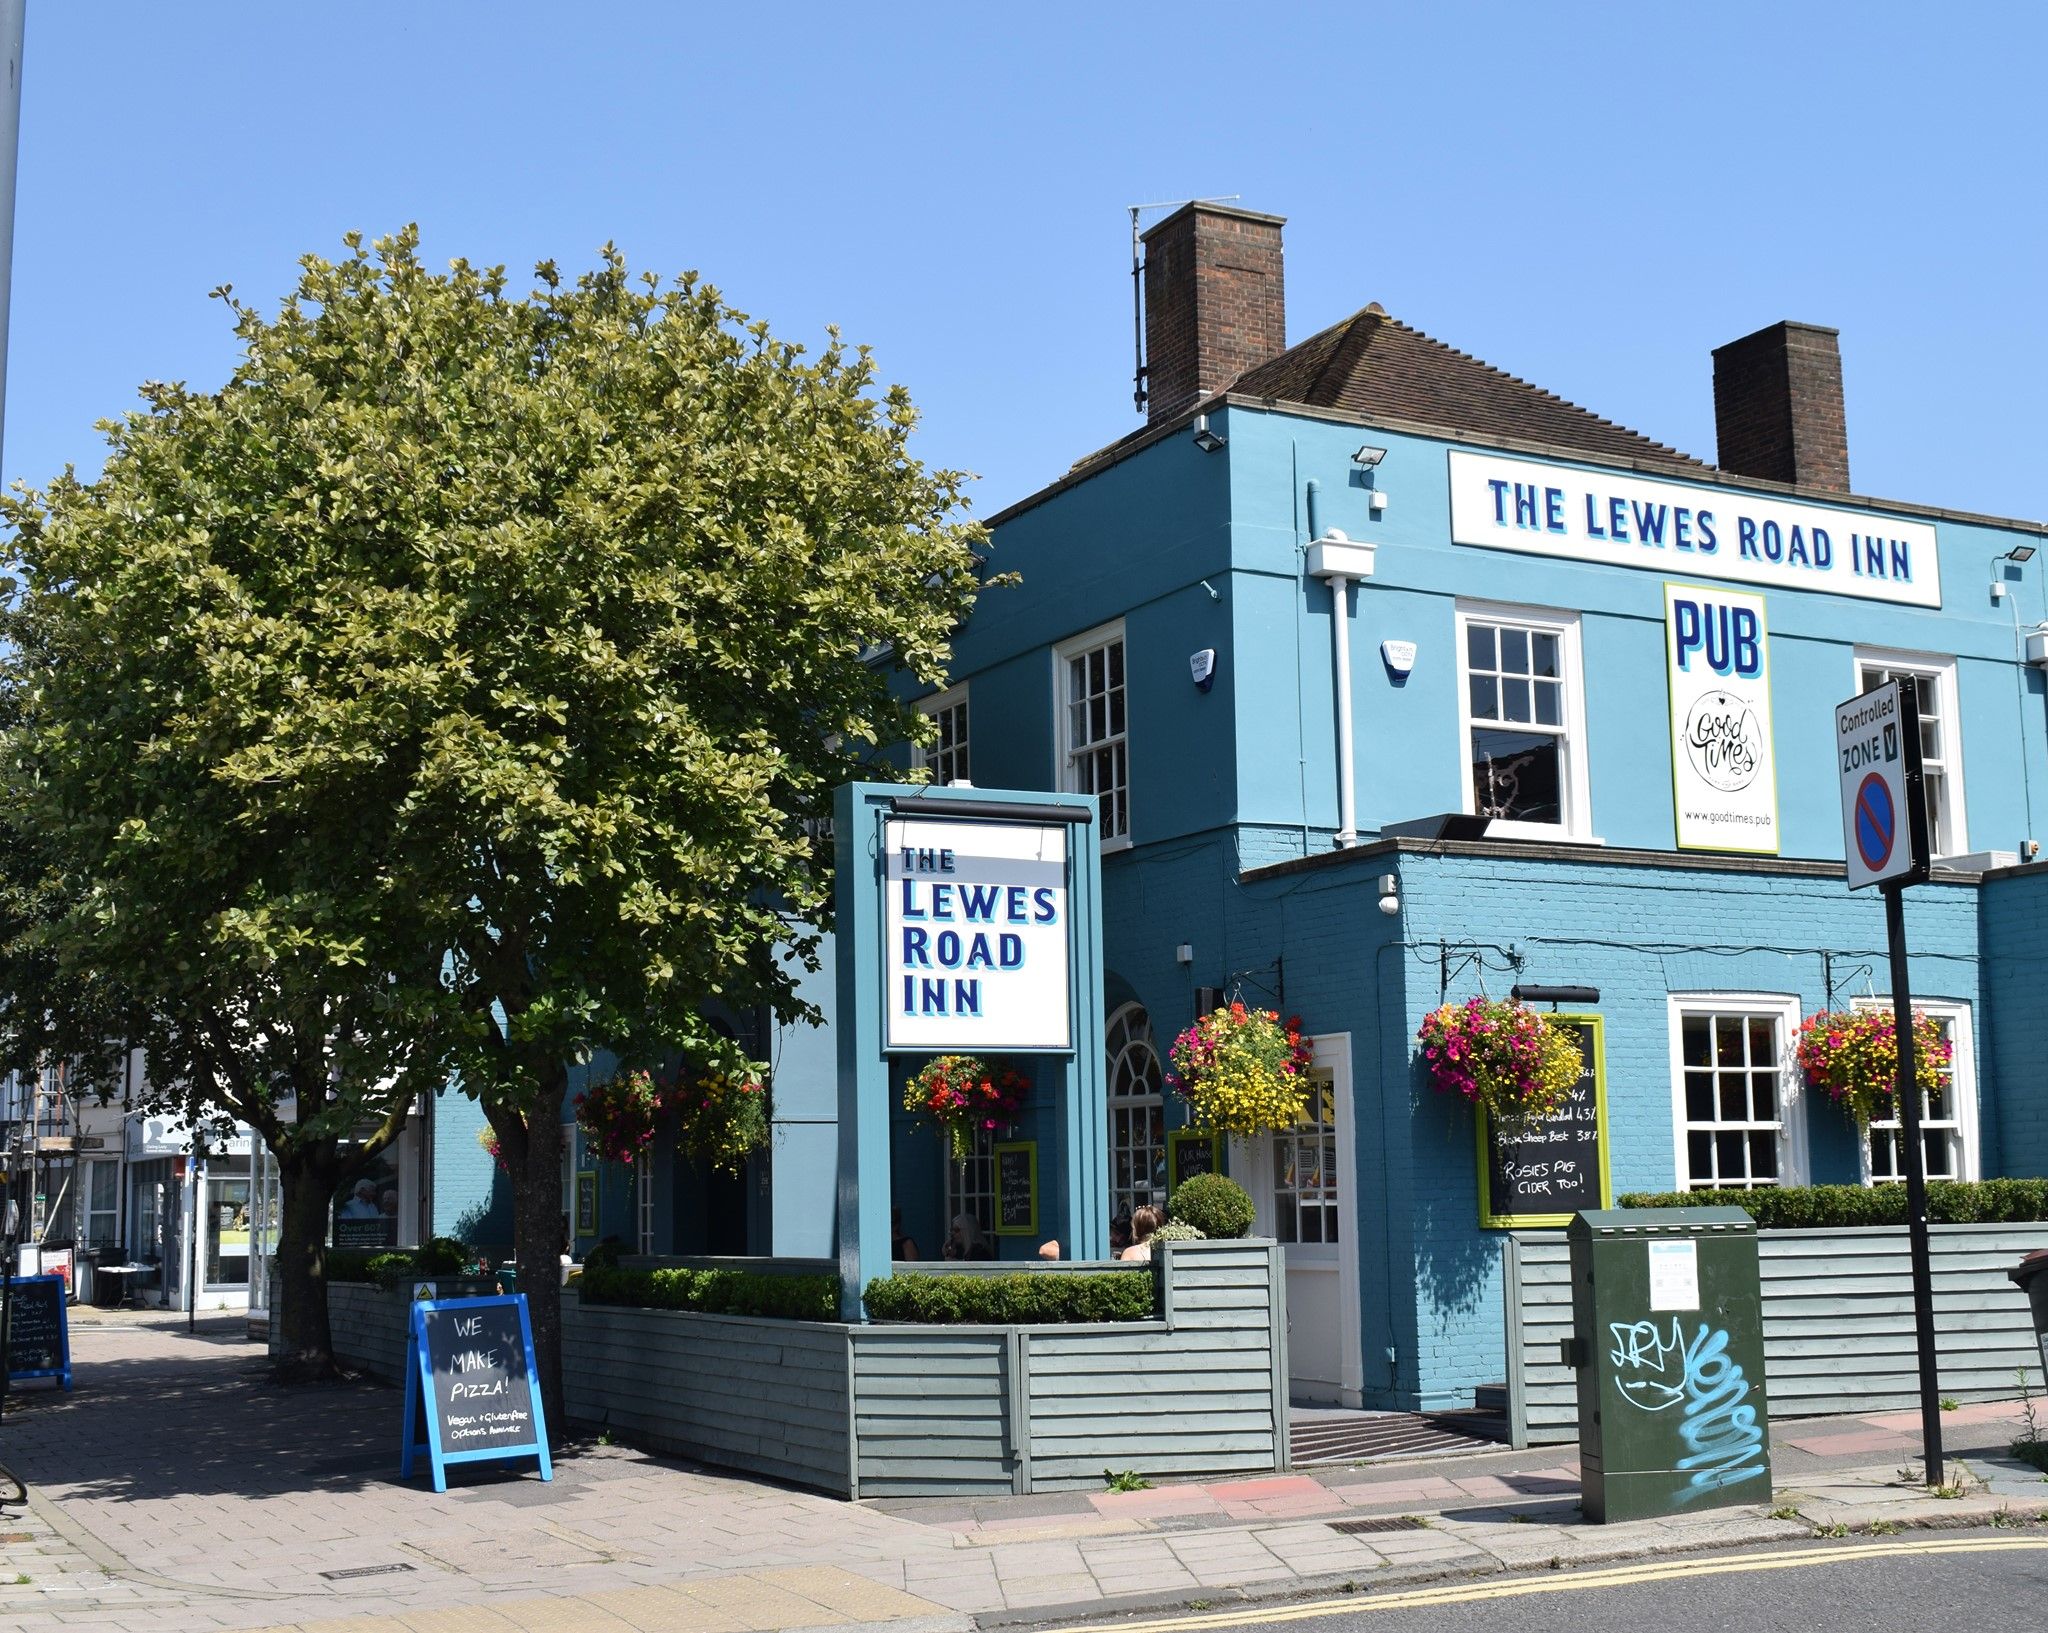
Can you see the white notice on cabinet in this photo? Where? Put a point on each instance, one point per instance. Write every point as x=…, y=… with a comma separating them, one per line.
x=1674, y=1275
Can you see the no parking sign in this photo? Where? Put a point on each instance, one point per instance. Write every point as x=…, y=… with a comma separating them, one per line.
x=1884, y=811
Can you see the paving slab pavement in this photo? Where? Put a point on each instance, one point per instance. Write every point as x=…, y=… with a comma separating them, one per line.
x=175, y=1489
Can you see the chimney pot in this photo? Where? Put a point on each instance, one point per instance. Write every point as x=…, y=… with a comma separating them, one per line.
x=1778, y=411
x=1215, y=303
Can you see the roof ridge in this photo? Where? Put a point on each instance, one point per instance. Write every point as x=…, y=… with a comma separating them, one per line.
x=1529, y=385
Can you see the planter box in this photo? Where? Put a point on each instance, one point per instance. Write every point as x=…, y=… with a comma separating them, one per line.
x=1838, y=1322
x=369, y=1322
x=908, y=1410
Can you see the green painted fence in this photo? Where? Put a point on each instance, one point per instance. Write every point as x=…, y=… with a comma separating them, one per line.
x=1838, y=1322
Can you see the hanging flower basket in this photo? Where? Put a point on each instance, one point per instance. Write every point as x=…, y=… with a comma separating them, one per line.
x=620, y=1115
x=1854, y=1057
x=1501, y=1056
x=1240, y=1070
x=965, y=1095
x=487, y=1137
x=721, y=1120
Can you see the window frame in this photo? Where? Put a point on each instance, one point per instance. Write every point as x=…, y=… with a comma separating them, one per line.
x=1962, y=1083
x=971, y=1184
x=1077, y=646
x=932, y=759
x=1783, y=1008
x=1941, y=670
x=1154, y=1100
x=1573, y=783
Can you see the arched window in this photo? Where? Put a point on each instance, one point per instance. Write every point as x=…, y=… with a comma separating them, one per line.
x=1137, y=1113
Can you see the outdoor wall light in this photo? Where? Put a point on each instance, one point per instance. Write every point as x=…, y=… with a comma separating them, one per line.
x=2016, y=555
x=1367, y=457
x=1525, y=994
x=1205, y=439
x=1390, y=894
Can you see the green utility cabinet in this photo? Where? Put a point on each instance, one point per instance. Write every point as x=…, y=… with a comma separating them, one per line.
x=1667, y=1337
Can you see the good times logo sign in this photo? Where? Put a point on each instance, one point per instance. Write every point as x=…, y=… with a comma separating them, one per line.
x=1724, y=783
x=1725, y=741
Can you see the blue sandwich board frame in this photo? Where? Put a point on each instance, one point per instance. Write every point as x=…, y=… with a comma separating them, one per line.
x=61, y=1371
x=419, y=1394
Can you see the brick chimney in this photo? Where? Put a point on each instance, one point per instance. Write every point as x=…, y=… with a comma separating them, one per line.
x=1778, y=406
x=1215, y=303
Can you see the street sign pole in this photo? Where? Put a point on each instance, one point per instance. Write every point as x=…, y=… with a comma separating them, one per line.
x=1885, y=842
x=1908, y=1090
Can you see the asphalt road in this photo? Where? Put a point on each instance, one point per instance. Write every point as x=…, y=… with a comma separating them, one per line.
x=1988, y=1582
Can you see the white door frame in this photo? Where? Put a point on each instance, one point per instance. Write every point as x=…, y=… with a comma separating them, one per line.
x=1253, y=1159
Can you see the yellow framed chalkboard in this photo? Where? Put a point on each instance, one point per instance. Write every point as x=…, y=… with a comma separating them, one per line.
x=1017, y=1188
x=1536, y=1178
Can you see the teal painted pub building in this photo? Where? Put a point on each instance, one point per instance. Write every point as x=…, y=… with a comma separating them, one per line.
x=1398, y=679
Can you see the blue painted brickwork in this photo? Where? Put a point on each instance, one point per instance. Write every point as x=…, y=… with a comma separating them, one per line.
x=1429, y=1276
x=2015, y=1048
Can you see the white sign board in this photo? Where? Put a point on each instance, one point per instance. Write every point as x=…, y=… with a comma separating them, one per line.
x=1674, y=1275
x=1754, y=539
x=978, y=939
x=1876, y=745
x=1724, y=778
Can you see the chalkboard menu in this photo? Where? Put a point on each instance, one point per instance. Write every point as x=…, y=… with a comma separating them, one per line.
x=1191, y=1151
x=1539, y=1174
x=471, y=1393
x=1017, y=1188
x=38, y=1331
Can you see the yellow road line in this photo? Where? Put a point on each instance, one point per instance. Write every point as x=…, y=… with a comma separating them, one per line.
x=1572, y=1582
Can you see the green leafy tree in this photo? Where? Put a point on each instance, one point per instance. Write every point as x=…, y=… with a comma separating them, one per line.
x=537, y=630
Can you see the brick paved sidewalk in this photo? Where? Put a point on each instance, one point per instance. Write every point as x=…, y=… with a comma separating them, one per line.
x=176, y=1490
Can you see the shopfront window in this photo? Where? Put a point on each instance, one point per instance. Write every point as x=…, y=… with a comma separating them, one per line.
x=1940, y=741
x=227, y=1231
x=1732, y=1080
x=1522, y=708
x=1948, y=1114
x=103, y=1205
x=1137, y=1113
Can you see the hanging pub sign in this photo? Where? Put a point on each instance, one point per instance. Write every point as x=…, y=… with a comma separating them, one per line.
x=1724, y=778
x=38, y=1330
x=1756, y=540
x=977, y=936
x=471, y=1392
x=1536, y=1175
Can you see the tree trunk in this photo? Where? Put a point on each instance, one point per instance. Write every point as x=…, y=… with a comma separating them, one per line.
x=308, y=1179
x=537, y=1237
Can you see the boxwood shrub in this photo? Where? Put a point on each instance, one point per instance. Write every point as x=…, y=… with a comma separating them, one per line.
x=715, y=1292
x=388, y=1266
x=1807, y=1207
x=1024, y=1298
x=1215, y=1204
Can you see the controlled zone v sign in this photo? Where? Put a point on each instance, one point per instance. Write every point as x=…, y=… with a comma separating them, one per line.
x=1884, y=811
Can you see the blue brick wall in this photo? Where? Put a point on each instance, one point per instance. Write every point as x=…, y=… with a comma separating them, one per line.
x=2014, y=1040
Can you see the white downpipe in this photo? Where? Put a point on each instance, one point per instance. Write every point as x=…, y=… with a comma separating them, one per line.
x=1340, y=647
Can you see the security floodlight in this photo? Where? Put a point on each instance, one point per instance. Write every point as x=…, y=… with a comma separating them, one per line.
x=1205, y=439
x=1367, y=457
x=2019, y=552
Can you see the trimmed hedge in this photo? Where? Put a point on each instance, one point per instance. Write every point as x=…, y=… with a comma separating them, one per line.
x=388, y=1266
x=1024, y=1298
x=714, y=1292
x=1809, y=1207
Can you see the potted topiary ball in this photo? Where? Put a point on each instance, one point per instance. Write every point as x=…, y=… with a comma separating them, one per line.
x=1215, y=1204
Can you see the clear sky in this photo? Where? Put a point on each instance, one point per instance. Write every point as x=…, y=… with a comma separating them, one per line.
x=1590, y=196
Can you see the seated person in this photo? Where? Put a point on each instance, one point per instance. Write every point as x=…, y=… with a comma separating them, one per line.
x=1143, y=1223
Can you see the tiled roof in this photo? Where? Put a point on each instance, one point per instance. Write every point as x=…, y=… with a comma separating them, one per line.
x=1375, y=365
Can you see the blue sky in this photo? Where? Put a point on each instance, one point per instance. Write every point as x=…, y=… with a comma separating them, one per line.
x=1592, y=197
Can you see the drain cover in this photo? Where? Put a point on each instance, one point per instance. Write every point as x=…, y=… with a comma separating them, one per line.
x=1392, y=1522
x=364, y=1570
